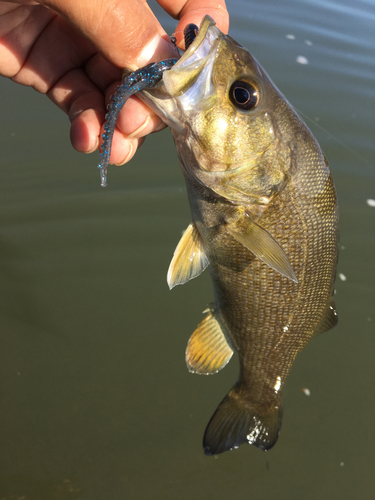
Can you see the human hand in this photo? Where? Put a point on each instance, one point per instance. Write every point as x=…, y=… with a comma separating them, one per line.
x=74, y=50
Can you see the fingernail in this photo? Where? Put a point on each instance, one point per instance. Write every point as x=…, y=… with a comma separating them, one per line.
x=139, y=129
x=94, y=148
x=156, y=50
x=128, y=156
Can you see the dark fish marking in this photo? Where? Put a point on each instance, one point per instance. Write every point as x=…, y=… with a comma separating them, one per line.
x=190, y=32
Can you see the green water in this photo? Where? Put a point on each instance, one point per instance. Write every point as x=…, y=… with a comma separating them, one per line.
x=96, y=402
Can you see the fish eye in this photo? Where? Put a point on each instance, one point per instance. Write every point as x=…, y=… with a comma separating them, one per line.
x=243, y=95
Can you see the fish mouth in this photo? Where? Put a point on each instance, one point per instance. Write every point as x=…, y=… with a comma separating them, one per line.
x=202, y=44
x=191, y=75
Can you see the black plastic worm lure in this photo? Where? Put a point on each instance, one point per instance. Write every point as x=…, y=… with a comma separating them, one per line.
x=190, y=32
x=144, y=78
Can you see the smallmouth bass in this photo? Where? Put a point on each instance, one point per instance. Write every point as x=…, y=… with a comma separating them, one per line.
x=264, y=222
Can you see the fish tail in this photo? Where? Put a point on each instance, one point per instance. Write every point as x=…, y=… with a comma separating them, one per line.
x=237, y=421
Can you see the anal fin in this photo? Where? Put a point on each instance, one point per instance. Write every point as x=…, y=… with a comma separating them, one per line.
x=208, y=351
x=189, y=259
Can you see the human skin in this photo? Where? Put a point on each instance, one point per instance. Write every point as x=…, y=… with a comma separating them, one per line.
x=73, y=51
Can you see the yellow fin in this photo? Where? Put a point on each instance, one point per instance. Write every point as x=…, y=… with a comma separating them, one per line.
x=262, y=244
x=189, y=259
x=208, y=351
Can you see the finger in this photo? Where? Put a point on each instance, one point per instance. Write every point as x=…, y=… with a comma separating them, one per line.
x=23, y=2
x=20, y=28
x=83, y=102
x=86, y=127
x=126, y=33
x=84, y=132
x=47, y=53
x=193, y=11
x=135, y=121
x=101, y=72
x=124, y=149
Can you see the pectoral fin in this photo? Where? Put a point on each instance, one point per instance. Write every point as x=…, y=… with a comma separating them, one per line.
x=262, y=244
x=189, y=259
x=208, y=350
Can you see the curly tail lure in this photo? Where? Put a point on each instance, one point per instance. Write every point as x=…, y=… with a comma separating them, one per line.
x=141, y=79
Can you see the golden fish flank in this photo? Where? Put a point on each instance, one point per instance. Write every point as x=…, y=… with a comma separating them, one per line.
x=265, y=222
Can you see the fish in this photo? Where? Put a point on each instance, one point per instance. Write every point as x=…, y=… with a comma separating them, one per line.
x=265, y=224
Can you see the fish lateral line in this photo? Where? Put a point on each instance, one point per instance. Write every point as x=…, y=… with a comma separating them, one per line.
x=143, y=78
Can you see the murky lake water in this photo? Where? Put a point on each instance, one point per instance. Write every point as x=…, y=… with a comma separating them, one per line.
x=96, y=402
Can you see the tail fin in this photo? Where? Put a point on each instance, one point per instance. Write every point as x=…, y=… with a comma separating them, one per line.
x=236, y=422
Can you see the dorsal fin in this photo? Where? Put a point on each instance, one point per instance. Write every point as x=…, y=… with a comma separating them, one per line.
x=208, y=351
x=262, y=244
x=189, y=259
